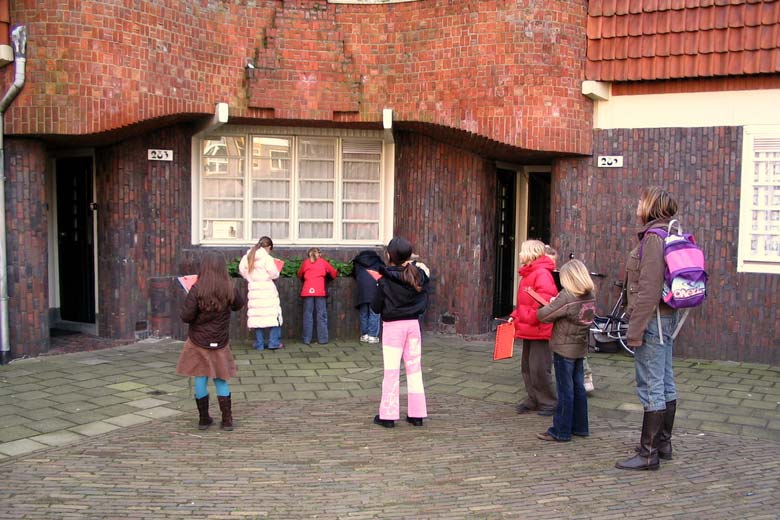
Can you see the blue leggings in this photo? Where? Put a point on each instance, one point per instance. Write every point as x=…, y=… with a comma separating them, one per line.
x=223, y=390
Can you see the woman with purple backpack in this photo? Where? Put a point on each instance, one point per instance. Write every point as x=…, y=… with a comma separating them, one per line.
x=650, y=331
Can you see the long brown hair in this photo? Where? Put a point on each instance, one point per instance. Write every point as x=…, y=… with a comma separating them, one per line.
x=656, y=203
x=399, y=250
x=215, y=289
x=263, y=242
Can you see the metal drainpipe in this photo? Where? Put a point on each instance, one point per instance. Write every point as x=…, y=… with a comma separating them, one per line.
x=19, y=40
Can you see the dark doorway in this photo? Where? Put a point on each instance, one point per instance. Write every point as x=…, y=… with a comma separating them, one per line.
x=503, y=291
x=539, y=206
x=75, y=239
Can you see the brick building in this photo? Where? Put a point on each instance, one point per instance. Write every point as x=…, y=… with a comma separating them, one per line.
x=147, y=132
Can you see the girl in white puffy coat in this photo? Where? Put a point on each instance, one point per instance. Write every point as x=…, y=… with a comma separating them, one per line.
x=264, y=310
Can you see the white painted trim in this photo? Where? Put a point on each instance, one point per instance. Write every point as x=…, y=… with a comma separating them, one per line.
x=689, y=110
x=744, y=263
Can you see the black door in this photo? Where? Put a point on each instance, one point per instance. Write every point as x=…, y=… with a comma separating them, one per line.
x=539, y=206
x=505, y=244
x=75, y=239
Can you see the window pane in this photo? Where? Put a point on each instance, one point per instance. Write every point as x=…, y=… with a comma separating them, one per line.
x=310, y=148
x=225, y=146
x=223, y=188
x=317, y=169
x=223, y=209
x=277, y=210
x=271, y=189
x=275, y=230
x=315, y=230
x=318, y=210
x=353, y=231
x=360, y=211
x=316, y=190
x=361, y=171
x=361, y=191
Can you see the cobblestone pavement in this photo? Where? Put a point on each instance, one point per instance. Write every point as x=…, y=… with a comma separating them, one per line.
x=111, y=434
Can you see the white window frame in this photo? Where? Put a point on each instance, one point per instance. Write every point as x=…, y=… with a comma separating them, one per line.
x=746, y=261
x=386, y=187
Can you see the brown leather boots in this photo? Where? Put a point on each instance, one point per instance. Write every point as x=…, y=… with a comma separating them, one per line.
x=225, y=406
x=203, y=410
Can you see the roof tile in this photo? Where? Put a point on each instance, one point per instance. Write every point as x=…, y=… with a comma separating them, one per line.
x=662, y=39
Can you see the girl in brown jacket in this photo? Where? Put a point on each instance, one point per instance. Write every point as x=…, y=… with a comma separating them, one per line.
x=206, y=353
x=572, y=313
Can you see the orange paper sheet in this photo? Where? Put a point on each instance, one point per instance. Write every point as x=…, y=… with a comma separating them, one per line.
x=374, y=274
x=188, y=281
x=279, y=264
x=505, y=341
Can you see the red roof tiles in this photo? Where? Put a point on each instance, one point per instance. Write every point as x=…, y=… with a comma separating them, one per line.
x=630, y=40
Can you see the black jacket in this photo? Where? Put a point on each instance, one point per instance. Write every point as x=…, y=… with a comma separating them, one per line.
x=366, y=284
x=209, y=329
x=396, y=300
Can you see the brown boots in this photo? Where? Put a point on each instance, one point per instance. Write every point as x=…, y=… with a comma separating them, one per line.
x=226, y=407
x=203, y=410
x=665, y=436
x=647, y=457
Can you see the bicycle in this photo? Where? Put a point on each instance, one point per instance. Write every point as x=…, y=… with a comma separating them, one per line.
x=614, y=326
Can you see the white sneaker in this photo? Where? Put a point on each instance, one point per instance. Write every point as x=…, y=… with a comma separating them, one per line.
x=373, y=339
x=364, y=338
x=589, y=384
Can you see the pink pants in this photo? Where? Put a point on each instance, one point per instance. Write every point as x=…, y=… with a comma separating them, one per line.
x=402, y=339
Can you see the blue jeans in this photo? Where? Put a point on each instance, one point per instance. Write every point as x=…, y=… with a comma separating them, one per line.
x=571, y=414
x=369, y=321
x=653, y=362
x=274, y=338
x=314, y=306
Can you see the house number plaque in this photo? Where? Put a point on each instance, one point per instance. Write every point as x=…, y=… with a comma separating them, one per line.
x=160, y=155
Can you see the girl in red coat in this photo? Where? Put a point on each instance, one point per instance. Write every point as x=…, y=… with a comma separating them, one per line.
x=535, y=273
x=313, y=272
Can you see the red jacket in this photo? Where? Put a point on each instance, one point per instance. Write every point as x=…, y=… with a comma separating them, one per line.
x=313, y=275
x=538, y=276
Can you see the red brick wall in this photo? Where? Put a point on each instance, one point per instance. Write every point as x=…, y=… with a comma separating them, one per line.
x=445, y=205
x=26, y=242
x=594, y=215
x=143, y=224
x=505, y=70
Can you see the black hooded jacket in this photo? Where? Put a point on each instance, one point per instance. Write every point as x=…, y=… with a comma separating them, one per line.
x=366, y=284
x=396, y=300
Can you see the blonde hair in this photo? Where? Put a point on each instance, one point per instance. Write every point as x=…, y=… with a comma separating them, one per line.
x=313, y=253
x=656, y=203
x=575, y=278
x=530, y=250
x=551, y=252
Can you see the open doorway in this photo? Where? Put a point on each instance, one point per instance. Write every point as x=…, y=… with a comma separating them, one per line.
x=74, y=263
x=523, y=211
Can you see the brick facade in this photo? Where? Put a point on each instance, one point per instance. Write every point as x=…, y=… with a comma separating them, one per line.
x=143, y=223
x=594, y=215
x=27, y=233
x=445, y=202
x=504, y=70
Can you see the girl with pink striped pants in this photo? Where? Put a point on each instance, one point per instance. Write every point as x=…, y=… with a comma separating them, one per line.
x=400, y=300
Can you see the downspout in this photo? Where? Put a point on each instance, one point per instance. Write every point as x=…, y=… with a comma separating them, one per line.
x=19, y=39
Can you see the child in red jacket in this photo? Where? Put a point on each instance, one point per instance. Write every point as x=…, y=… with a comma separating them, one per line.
x=313, y=272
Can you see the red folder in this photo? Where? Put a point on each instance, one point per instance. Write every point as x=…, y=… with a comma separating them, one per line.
x=279, y=264
x=505, y=341
x=188, y=281
x=536, y=296
x=374, y=274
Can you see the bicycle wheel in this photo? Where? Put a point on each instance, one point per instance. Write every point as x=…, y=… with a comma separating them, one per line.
x=621, y=333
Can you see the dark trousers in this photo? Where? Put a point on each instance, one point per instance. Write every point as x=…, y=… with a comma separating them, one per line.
x=536, y=365
x=571, y=415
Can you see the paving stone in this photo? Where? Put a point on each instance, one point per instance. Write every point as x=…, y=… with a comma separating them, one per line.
x=58, y=438
x=127, y=386
x=129, y=419
x=49, y=425
x=20, y=447
x=159, y=412
x=12, y=433
x=95, y=428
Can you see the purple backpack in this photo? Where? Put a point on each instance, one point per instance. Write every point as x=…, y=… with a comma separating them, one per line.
x=685, y=279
